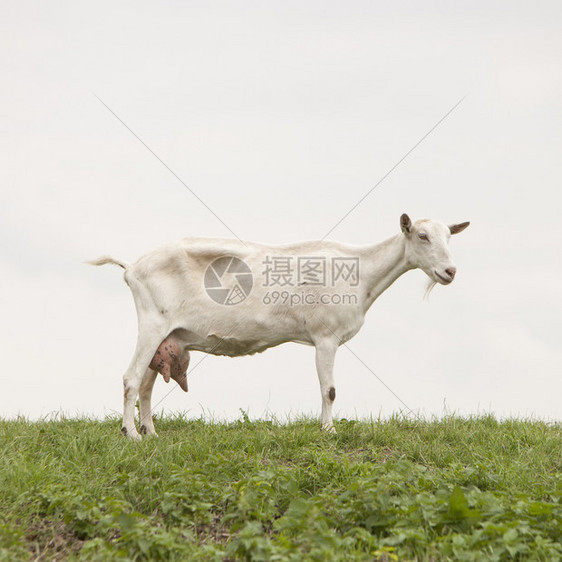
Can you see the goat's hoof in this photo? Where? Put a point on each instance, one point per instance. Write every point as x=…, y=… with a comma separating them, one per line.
x=150, y=431
x=131, y=434
x=329, y=429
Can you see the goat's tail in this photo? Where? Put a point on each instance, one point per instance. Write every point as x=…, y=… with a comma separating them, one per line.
x=107, y=259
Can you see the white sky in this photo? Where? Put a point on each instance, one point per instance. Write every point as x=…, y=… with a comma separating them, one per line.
x=281, y=116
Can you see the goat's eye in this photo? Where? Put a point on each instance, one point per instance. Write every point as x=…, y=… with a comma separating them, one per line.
x=423, y=236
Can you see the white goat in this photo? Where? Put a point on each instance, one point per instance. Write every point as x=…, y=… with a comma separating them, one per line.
x=228, y=297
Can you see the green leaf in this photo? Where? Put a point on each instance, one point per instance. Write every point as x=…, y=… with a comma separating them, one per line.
x=458, y=504
x=126, y=522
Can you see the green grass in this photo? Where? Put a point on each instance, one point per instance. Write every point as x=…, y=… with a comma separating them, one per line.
x=450, y=489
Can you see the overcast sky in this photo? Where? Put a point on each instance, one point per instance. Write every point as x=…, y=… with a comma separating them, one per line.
x=281, y=116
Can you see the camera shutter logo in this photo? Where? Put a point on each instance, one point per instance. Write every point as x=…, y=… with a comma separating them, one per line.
x=228, y=280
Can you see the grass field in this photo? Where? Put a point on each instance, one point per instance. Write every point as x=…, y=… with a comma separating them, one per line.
x=450, y=489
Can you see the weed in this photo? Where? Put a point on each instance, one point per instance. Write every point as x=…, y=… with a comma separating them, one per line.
x=451, y=489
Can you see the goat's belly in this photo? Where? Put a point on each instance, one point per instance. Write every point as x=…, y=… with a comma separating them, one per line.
x=232, y=347
x=235, y=345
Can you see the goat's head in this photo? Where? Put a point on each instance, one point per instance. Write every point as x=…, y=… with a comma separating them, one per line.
x=427, y=247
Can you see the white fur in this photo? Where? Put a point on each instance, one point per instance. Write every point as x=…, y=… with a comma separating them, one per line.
x=170, y=297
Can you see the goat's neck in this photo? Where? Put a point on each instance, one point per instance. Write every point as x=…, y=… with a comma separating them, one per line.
x=380, y=265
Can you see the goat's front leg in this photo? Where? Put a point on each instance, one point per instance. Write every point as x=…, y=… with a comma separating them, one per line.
x=145, y=395
x=325, y=356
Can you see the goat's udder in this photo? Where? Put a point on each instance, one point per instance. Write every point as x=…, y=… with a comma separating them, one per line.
x=171, y=362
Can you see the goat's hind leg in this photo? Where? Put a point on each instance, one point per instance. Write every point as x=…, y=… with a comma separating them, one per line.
x=145, y=395
x=147, y=344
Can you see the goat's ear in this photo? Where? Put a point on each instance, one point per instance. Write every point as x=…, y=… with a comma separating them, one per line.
x=405, y=224
x=456, y=228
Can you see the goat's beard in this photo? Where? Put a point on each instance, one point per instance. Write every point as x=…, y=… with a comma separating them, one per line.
x=429, y=288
